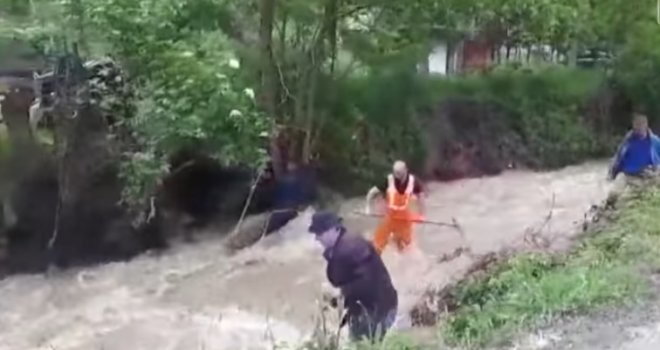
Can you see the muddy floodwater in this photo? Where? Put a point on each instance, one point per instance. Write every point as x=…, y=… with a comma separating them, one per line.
x=195, y=296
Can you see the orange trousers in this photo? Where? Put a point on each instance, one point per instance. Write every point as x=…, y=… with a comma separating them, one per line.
x=401, y=230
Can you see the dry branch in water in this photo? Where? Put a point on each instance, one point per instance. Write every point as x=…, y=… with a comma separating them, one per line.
x=534, y=237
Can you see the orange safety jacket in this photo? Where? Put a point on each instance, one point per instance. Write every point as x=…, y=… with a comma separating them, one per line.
x=397, y=203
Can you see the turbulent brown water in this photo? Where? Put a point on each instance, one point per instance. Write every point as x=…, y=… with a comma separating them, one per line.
x=197, y=297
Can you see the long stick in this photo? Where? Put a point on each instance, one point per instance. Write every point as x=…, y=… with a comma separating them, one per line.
x=237, y=228
x=437, y=223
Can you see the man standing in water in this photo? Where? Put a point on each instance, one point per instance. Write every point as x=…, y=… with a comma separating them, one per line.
x=638, y=155
x=358, y=271
x=398, y=221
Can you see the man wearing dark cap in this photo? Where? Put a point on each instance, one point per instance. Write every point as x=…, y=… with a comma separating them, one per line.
x=356, y=269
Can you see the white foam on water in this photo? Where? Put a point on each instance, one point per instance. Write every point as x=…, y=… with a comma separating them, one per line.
x=195, y=296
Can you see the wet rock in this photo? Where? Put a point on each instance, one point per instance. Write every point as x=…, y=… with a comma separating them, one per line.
x=251, y=230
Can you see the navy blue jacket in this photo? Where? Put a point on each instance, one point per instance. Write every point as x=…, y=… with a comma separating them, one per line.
x=295, y=189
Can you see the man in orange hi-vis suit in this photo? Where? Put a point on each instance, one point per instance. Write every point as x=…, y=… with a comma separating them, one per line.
x=398, y=221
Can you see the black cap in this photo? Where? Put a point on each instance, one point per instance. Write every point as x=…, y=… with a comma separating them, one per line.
x=323, y=221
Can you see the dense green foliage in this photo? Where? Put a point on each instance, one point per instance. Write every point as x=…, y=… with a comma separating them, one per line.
x=192, y=92
x=545, y=106
x=339, y=79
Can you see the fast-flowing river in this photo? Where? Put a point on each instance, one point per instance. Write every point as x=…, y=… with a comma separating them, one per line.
x=195, y=296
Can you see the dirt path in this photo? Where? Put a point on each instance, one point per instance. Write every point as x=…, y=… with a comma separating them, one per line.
x=632, y=328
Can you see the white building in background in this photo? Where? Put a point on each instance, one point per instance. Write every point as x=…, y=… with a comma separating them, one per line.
x=438, y=59
x=445, y=60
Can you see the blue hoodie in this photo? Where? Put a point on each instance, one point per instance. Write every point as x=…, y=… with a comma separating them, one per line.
x=635, y=154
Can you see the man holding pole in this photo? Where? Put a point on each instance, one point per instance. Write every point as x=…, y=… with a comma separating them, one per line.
x=355, y=268
x=398, y=220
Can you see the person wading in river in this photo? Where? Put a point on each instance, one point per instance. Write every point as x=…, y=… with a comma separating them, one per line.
x=356, y=269
x=638, y=155
x=294, y=190
x=399, y=189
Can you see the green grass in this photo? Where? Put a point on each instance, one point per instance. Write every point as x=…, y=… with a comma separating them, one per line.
x=606, y=268
x=393, y=341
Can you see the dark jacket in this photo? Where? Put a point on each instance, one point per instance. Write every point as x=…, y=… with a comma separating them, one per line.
x=295, y=189
x=358, y=271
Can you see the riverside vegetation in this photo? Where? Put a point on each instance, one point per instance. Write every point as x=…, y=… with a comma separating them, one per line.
x=337, y=85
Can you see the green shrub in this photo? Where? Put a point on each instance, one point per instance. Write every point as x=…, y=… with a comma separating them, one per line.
x=543, y=105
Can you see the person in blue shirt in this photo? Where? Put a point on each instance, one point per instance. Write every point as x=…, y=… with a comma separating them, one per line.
x=639, y=152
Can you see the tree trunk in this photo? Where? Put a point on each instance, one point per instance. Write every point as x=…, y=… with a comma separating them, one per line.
x=330, y=28
x=306, y=151
x=573, y=53
x=268, y=93
x=318, y=55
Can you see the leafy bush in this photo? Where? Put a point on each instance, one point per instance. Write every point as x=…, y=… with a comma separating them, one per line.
x=638, y=66
x=543, y=105
x=377, y=115
x=193, y=93
x=373, y=122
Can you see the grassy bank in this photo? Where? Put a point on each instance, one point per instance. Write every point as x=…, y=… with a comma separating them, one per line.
x=609, y=266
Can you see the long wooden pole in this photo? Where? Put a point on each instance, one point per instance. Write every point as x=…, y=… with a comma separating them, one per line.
x=454, y=223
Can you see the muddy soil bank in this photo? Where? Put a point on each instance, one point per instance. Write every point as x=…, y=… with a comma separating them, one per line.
x=468, y=137
x=98, y=228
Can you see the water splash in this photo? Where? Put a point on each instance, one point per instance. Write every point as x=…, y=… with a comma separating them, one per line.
x=199, y=297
